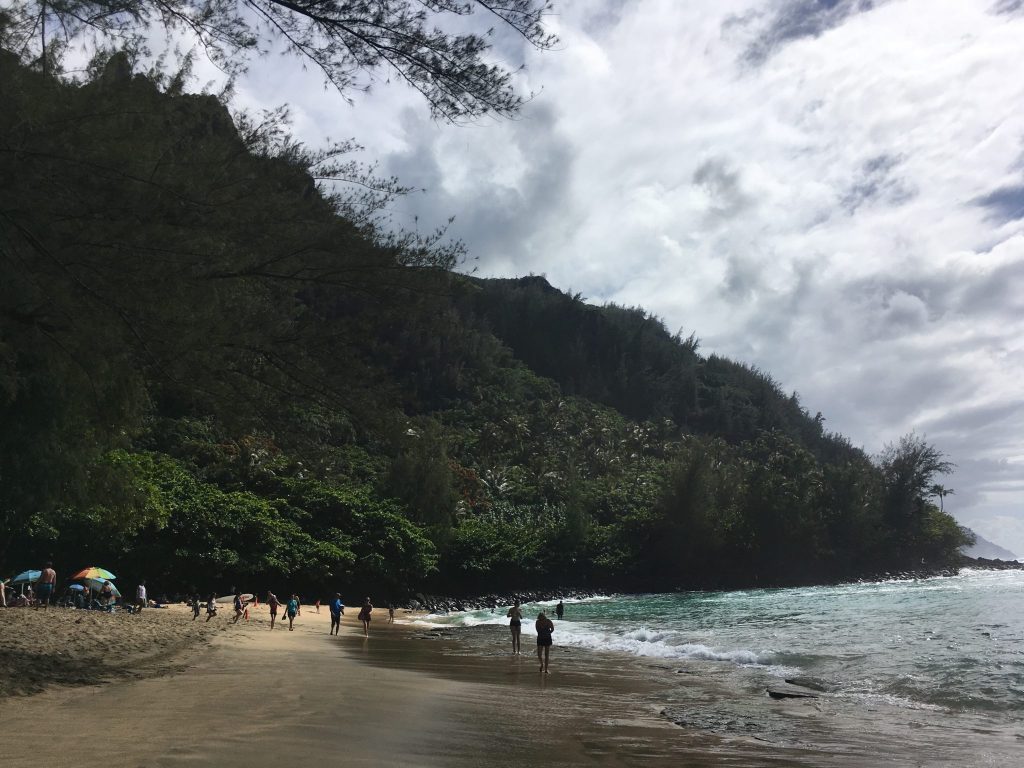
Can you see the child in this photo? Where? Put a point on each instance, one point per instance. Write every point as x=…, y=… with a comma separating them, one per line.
x=195, y=607
x=211, y=606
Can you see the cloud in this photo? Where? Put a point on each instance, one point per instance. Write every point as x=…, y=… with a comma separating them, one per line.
x=828, y=190
x=794, y=20
x=1004, y=204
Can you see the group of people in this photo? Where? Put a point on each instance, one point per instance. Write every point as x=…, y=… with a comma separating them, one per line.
x=44, y=593
x=544, y=628
x=292, y=608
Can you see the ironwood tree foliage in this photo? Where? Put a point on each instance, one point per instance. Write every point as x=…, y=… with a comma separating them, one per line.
x=352, y=43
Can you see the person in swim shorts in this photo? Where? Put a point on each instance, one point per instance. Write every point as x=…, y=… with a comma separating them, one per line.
x=47, y=583
x=291, y=610
x=336, y=608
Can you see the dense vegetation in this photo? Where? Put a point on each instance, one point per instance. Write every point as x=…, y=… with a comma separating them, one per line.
x=213, y=373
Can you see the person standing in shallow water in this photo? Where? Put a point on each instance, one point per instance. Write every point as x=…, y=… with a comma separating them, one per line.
x=544, y=627
x=559, y=610
x=515, y=626
x=364, y=616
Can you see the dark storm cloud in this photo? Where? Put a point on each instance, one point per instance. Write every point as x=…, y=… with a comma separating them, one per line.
x=1004, y=204
x=1007, y=7
x=877, y=183
x=795, y=20
x=722, y=185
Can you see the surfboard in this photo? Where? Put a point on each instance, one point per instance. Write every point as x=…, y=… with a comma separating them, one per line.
x=247, y=597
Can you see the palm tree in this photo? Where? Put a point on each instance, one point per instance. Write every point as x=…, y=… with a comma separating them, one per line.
x=942, y=492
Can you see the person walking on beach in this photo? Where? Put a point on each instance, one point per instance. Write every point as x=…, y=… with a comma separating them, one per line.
x=364, y=616
x=336, y=609
x=211, y=606
x=544, y=627
x=47, y=583
x=272, y=602
x=195, y=607
x=391, y=613
x=239, y=607
x=317, y=605
x=515, y=626
x=292, y=609
x=559, y=610
x=140, y=597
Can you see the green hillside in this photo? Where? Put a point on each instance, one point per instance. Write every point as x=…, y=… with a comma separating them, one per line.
x=211, y=373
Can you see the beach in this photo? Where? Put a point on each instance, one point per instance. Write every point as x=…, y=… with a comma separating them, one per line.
x=240, y=695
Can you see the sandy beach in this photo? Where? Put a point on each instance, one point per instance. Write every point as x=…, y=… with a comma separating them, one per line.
x=240, y=695
x=176, y=693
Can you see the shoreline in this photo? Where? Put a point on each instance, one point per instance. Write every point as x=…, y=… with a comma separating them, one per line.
x=250, y=697
x=416, y=696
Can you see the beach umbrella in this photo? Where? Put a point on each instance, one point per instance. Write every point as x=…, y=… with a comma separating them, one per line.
x=97, y=585
x=93, y=572
x=26, y=577
x=77, y=588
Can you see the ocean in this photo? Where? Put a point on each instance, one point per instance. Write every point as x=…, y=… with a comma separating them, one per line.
x=928, y=671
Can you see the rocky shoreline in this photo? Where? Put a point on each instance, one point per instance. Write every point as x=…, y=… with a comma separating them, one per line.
x=449, y=604
x=445, y=604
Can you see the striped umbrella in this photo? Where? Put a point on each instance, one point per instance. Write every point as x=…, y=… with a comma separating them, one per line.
x=94, y=572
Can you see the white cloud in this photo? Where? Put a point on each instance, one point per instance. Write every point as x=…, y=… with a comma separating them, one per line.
x=830, y=195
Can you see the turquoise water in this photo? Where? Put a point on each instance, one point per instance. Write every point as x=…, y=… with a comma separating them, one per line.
x=952, y=645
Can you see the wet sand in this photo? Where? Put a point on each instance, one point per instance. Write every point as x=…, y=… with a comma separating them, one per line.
x=404, y=697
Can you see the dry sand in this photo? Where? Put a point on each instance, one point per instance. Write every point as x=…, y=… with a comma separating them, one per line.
x=252, y=697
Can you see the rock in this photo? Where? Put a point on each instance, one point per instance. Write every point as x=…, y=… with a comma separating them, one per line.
x=782, y=693
x=806, y=682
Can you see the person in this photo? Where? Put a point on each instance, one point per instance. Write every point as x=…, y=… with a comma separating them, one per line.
x=317, y=605
x=3, y=593
x=391, y=613
x=336, y=608
x=106, y=595
x=292, y=610
x=140, y=597
x=544, y=627
x=211, y=606
x=272, y=602
x=364, y=616
x=239, y=607
x=195, y=607
x=559, y=610
x=515, y=626
x=47, y=583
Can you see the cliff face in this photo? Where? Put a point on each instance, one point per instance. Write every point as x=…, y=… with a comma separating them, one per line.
x=983, y=548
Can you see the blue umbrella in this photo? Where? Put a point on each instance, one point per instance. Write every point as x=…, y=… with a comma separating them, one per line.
x=77, y=588
x=27, y=576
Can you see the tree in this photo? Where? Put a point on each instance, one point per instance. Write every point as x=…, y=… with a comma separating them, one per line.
x=349, y=41
x=942, y=492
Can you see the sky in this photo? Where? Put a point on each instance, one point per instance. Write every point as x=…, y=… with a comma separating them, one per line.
x=830, y=190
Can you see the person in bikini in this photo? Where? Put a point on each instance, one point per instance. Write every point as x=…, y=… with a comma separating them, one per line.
x=273, y=602
x=515, y=626
x=544, y=627
x=364, y=616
